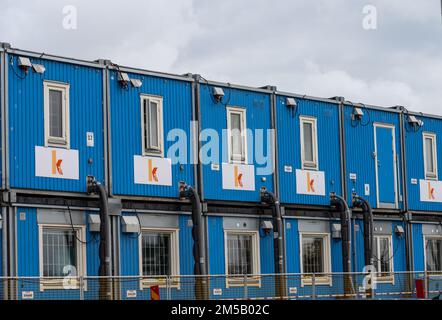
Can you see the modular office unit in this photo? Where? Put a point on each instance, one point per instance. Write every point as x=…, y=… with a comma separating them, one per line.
x=52, y=141
x=151, y=148
x=199, y=176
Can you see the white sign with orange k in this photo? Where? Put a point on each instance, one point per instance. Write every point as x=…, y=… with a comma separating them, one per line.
x=310, y=182
x=238, y=176
x=152, y=170
x=56, y=163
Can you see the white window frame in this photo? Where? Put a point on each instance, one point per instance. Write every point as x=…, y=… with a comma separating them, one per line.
x=389, y=278
x=430, y=237
x=430, y=175
x=309, y=165
x=63, y=142
x=306, y=280
x=50, y=283
x=145, y=281
x=243, y=115
x=253, y=280
x=153, y=151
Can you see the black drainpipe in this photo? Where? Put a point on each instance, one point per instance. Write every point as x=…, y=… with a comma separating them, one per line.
x=359, y=202
x=104, y=270
x=278, y=244
x=345, y=217
x=201, y=287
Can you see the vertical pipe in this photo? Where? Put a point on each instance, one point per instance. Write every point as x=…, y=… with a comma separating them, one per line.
x=278, y=243
x=407, y=215
x=342, y=149
x=3, y=66
x=275, y=157
x=200, y=180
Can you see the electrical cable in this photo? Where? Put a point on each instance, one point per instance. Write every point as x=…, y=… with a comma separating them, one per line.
x=139, y=224
x=15, y=71
x=94, y=237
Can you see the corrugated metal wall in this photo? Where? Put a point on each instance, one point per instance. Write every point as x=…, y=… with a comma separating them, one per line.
x=415, y=161
x=130, y=263
x=360, y=148
x=214, y=117
x=217, y=262
x=125, y=113
x=28, y=255
x=418, y=247
x=26, y=123
x=289, y=148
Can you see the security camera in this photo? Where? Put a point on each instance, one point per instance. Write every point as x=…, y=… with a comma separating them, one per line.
x=357, y=113
x=218, y=93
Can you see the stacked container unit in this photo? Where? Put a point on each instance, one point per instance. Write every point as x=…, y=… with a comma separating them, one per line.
x=423, y=154
x=151, y=148
x=373, y=171
x=236, y=165
x=53, y=125
x=309, y=170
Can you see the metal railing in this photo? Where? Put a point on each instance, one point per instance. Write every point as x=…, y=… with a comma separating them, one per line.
x=397, y=285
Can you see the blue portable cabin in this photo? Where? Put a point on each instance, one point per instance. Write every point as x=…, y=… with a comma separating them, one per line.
x=233, y=170
x=151, y=153
x=53, y=139
x=309, y=170
x=422, y=135
x=373, y=155
x=375, y=171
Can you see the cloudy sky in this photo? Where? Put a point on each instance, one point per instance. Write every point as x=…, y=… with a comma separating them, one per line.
x=319, y=48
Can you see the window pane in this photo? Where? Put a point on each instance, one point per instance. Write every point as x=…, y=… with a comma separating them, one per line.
x=240, y=254
x=146, y=124
x=156, y=254
x=429, y=154
x=313, y=254
x=56, y=113
x=308, y=141
x=59, y=250
x=153, y=124
x=385, y=255
x=433, y=248
x=235, y=127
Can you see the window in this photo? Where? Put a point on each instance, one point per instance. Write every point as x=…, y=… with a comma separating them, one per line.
x=383, y=258
x=433, y=254
x=242, y=258
x=237, y=136
x=430, y=155
x=309, y=143
x=61, y=255
x=159, y=256
x=56, y=114
x=152, y=125
x=315, y=258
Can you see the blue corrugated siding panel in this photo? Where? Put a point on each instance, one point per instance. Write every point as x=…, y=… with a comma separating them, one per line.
x=418, y=248
x=289, y=148
x=217, y=260
x=28, y=259
x=415, y=162
x=214, y=117
x=130, y=263
x=125, y=113
x=293, y=262
x=359, y=140
x=26, y=123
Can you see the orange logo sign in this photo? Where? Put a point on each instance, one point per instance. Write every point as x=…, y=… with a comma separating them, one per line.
x=430, y=191
x=152, y=171
x=310, y=183
x=56, y=163
x=238, y=177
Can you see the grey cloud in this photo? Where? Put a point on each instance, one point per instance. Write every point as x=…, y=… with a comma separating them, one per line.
x=313, y=47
